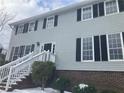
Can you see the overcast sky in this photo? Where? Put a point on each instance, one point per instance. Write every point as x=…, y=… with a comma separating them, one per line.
x=27, y=8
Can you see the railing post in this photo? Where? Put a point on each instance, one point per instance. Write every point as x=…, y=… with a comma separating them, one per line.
x=47, y=57
x=8, y=80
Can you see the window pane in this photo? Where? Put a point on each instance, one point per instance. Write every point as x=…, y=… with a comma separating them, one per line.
x=87, y=49
x=20, y=29
x=50, y=22
x=115, y=47
x=31, y=26
x=111, y=7
x=87, y=13
x=28, y=49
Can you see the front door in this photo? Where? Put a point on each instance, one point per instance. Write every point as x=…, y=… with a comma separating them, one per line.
x=48, y=46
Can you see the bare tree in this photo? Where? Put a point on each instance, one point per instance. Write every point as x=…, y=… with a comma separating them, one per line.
x=5, y=17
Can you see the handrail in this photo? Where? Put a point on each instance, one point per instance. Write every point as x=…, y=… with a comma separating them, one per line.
x=24, y=68
x=4, y=70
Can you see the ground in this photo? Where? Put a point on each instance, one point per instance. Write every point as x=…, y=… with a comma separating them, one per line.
x=33, y=90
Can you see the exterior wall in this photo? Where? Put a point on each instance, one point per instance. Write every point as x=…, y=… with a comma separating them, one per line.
x=65, y=34
x=101, y=80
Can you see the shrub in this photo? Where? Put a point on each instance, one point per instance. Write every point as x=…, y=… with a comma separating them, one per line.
x=108, y=91
x=61, y=84
x=41, y=72
x=83, y=88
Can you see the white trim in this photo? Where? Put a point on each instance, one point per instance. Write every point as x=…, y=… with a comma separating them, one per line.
x=51, y=25
x=81, y=49
x=42, y=45
x=92, y=50
x=117, y=6
x=108, y=47
x=93, y=47
x=112, y=60
x=122, y=45
x=83, y=12
x=111, y=13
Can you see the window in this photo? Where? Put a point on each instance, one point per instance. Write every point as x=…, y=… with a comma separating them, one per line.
x=28, y=49
x=31, y=26
x=115, y=47
x=16, y=53
x=50, y=22
x=20, y=29
x=87, y=49
x=111, y=7
x=87, y=13
x=21, y=51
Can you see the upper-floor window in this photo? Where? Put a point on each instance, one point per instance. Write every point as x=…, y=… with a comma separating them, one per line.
x=87, y=13
x=111, y=7
x=87, y=49
x=115, y=47
x=100, y=9
x=20, y=29
x=50, y=22
x=31, y=26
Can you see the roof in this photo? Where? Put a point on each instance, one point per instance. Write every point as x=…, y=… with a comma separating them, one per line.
x=57, y=11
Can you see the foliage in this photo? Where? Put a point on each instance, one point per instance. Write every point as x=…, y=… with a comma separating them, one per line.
x=5, y=17
x=108, y=91
x=85, y=89
x=42, y=71
x=61, y=84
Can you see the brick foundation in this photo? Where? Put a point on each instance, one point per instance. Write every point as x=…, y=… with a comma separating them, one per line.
x=100, y=79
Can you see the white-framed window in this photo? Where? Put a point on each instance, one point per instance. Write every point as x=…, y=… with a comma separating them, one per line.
x=20, y=29
x=31, y=26
x=87, y=13
x=28, y=49
x=87, y=49
x=50, y=22
x=111, y=6
x=115, y=47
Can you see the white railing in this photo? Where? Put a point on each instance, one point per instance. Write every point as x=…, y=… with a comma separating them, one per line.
x=5, y=69
x=24, y=68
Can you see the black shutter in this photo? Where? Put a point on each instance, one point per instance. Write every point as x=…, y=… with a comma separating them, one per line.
x=25, y=30
x=11, y=54
x=78, y=49
x=123, y=36
x=36, y=25
x=21, y=51
x=44, y=23
x=121, y=5
x=104, y=48
x=101, y=9
x=16, y=30
x=95, y=10
x=79, y=14
x=96, y=48
x=32, y=47
x=56, y=20
x=27, y=27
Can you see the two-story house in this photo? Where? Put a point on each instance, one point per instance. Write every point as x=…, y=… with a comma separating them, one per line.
x=87, y=39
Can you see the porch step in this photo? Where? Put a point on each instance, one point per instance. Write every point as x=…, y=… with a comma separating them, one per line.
x=3, y=87
x=22, y=84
